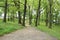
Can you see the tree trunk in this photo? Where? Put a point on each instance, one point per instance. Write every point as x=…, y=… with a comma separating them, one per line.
x=50, y=21
x=5, y=12
x=24, y=12
x=50, y=14
x=38, y=14
x=19, y=14
x=29, y=16
x=19, y=21
x=46, y=16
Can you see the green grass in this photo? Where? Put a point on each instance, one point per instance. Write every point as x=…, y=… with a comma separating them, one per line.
x=9, y=27
x=55, y=31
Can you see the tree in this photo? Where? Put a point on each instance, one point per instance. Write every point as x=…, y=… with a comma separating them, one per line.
x=50, y=14
x=46, y=16
x=38, y=14
x=19, y=13
x=5, y=11
x=17, y=4
x=29, y=16
x=25, y=3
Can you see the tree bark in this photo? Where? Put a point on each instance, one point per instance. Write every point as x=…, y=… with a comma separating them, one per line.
x=50, y=14
x=38, y=14
x=24, y=12
x=5, y=12
x=29, y=17
x=19, y=21
x=17, y=4
x=46, y=16
x=19, y=13
x=50, y=21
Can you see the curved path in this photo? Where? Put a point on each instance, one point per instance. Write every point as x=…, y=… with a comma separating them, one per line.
x=28, y=33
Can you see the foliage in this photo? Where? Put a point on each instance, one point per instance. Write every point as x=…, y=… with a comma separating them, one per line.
x=55, y=31
x=8, y=27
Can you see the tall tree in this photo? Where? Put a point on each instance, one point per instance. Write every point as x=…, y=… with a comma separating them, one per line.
x=19, y=13
x=38, y=14
x=50, y=14
x=46, y=16
x=5, y=11
x=29, y=16
x=17, y=4
x=25, y=6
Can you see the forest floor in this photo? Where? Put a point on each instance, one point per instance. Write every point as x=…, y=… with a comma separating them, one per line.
x=27, y=33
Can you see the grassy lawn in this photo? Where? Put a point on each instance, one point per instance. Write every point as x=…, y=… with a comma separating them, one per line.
x=55, y=31
x=9, y=27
